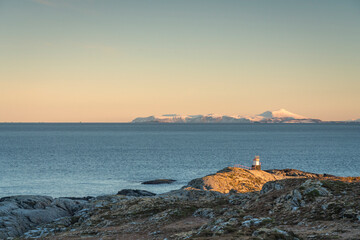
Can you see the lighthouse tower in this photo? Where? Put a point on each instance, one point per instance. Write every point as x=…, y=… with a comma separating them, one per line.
x=256, y=163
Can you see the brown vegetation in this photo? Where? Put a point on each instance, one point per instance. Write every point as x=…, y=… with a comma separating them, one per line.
x=231, y=204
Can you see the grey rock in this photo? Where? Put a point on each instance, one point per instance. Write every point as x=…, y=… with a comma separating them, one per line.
x=271, y=186
x=293, y=173
x=350, y=213
x=232, y=222
x=296, y=200
x=255, y=222
x=292, y=200
x=315, y=185
x=204, y=212
x=239, y=198
x=231, y=213
x=159, y=181
x=220, y=225
x=266, y=232
x=192, y=195
x=135, y=193
x=164, y=215
x=19, y=214
x=324, y=206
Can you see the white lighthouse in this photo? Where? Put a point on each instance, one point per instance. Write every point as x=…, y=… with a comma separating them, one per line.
x=256, y=163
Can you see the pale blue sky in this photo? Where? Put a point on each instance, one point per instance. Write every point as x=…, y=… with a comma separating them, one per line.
x=88, y=60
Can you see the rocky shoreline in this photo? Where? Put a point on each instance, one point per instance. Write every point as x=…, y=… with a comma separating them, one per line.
x=233, y=203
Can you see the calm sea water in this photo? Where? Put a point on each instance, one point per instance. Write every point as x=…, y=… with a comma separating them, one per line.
x=94, y=159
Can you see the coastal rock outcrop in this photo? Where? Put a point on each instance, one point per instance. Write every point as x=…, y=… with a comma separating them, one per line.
x=239, y=180
x=231, y=204
x=21, y=213
x=233, y=179
x=294, y=173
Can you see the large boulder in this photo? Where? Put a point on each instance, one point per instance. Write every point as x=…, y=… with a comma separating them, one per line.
x=233, y=179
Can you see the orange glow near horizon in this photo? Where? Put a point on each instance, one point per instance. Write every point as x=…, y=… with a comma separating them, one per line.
x=115, y=61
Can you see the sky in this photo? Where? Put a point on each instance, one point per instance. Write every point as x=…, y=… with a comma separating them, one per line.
x=112, y=60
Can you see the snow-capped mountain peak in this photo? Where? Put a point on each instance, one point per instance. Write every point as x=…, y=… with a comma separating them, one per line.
x=278, y=116
x=281, y=113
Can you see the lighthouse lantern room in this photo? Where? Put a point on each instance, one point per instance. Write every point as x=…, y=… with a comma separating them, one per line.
x=256, y=163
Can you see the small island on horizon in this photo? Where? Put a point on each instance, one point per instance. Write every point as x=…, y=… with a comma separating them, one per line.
x=278, y=116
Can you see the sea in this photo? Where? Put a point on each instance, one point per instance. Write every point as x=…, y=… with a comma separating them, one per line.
x=91, y=159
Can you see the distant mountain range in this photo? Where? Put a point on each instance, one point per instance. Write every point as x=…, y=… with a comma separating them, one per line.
x=279, y=116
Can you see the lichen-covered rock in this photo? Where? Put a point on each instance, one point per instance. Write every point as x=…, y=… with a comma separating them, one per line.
x=293, y=173
x=256, y=222
x=233, y=179
x=315, y=187
x=291, y=201
x=273, y=233
x=271, y=186
x=288, y=202
x=194, y=194
x=204, y=212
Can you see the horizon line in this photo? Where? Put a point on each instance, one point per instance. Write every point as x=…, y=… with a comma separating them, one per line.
x=81, y=122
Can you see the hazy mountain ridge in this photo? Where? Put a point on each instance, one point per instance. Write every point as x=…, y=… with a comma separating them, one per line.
x=279, y=116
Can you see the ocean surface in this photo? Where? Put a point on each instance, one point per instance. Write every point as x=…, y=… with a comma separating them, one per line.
x=77, y=159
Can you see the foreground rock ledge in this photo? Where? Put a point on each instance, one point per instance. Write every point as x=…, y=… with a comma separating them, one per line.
x=231, y=204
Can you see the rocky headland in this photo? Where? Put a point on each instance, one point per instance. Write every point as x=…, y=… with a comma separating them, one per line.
x=233, y=203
